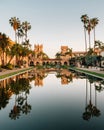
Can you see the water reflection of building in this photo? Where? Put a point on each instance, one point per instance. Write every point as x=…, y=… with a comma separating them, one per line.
x=38, y=75
x=39, y=78
x=66, y=77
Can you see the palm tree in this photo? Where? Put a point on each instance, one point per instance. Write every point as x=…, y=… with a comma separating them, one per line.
x=94, y=22
x=84, y=19
x=26, y=26
x=58, y=55
x=87, y=113
x=24, y=53
x=69, y=52
x=15, y=23
x=90, y=52
x=89, y=28
x=20, y=34
x=99, y=44
x=26, y=44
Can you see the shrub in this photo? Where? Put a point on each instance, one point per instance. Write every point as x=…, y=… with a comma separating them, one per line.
x=9, y=66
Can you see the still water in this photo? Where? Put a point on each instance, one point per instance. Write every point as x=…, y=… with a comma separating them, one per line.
x=63, y=100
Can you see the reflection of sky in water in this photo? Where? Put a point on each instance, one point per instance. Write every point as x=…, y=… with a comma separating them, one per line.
x=56, y=107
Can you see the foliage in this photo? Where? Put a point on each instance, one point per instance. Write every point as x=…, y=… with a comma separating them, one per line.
x=9, y=66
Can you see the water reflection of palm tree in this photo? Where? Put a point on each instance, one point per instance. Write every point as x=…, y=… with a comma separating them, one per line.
x=15, y=112
x=96, y=111
x=99, y=87
x=26, y=107
x=90, y=105
x=21, y=88
x=90, y=109
x=87, y=113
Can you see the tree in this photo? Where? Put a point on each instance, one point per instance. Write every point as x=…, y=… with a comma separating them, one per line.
x=4, y=44
x=89, y=24
x=69, y=52
x=12, y=52
x=15, y=50
x=26, y=26
x=89, y=28
x=15, y=23
x=58, y=55
x=99, y=44
x=84, y=19
x=20, y=34
x=26, y=44
x=94, y=22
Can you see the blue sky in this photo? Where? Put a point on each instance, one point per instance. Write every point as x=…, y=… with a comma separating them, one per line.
x=54, y=22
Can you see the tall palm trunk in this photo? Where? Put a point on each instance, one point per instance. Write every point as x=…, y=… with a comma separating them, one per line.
x=95, y=97
x=6, y=58
x=15, y=37
x=25, y=36
x=89, y=40
x=86, y=92
x=94, y=37
x=94, y=22
x=3, y=59
x=90, y=93
x=85, y=39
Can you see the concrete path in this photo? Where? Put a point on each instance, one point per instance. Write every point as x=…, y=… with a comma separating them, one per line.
x=4, y=71
x=97, y=70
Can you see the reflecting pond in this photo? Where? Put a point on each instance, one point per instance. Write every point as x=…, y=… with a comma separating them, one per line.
x=52, y=100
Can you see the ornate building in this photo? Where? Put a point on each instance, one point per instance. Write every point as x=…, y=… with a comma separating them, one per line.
x=38, y=58
x=65, y=55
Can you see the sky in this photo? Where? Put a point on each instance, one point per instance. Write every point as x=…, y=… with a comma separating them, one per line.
x=54, y=23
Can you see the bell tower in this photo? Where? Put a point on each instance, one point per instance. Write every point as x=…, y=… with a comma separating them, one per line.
x=38, y=49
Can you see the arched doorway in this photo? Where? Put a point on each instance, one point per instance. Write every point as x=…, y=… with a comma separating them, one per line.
x=31, y=63
x=65, y=63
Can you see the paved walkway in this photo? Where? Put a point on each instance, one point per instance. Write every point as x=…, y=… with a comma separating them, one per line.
x=4, y=71
x=97, y=70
